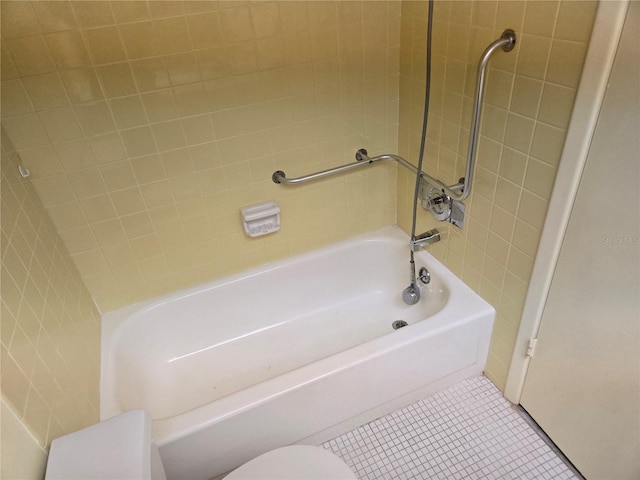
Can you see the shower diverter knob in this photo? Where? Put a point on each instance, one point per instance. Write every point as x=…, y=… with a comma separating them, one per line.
x=438, y=204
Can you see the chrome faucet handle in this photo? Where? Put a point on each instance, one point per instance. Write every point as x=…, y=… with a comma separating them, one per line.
x=424, y=276
x=438, y=203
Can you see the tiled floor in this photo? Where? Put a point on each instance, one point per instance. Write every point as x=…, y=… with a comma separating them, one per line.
x=467, y=431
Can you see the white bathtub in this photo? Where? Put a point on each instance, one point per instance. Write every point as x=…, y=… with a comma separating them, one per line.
x=297, y=351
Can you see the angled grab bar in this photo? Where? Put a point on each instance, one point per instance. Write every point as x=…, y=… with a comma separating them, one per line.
x=506, y=42
x=363, y=160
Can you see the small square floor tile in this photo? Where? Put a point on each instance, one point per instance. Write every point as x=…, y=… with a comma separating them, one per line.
x=468, y=431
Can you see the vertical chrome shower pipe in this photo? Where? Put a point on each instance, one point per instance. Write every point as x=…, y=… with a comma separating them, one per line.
x=411, y=294
x=506, y=42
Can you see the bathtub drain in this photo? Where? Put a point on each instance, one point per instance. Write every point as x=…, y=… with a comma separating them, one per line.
x=399, y=324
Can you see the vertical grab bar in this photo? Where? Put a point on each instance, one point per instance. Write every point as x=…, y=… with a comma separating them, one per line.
x=507, y=41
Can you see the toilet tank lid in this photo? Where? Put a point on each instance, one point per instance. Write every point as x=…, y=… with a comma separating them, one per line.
x=117, y=448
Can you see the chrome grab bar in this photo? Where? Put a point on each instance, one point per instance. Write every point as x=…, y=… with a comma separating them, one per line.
x=363, y=160
x=507, y=41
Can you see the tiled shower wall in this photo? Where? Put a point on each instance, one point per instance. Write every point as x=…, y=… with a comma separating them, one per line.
x=50, y=335
x=146, y=125
x=529, y=99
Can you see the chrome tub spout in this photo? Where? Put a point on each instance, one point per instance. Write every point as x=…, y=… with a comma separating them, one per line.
x=424, y=239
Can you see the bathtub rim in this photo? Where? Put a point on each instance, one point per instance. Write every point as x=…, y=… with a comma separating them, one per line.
x=169, y=429
x=462, y=302
x=112, y=321
x=115, y=317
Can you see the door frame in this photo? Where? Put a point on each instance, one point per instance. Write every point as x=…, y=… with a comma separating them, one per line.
x=601, y=53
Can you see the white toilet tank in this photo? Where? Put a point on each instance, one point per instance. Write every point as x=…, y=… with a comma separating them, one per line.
x=118, y=448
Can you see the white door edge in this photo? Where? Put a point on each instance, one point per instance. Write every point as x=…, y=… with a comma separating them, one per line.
x=593, y=83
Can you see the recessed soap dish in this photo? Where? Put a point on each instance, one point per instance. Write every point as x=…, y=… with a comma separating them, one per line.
x=260, y=218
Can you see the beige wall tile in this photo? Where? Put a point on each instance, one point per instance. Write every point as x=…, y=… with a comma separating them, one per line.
x=139, y=39
x=205, y=30
x=19, y=20
x=128, y=112
x=9, y=69
x=87, y=182
x=547, y=143
x=236, y=24
x=199, y=129
x=533, y=56
x=183, y=68
x=31, y=305
x=61, y=124
x=160, y=105
x=540, y=17
x=187, y=107
x=148, y=169
x=524, y=124
x=30, y=55
x=55, y=16
x=565, y=62
x=79, y=240
x=532, y=209
x=108, y=232
x=169, y=135
x=526, y=96
x=157, y=194
x=519, y=133
x=214, y=64
x=556, y=105
x=25, y=131
x=150, y=74
x=46, y=91
x=68, y=49
x=95, y=118
x=172, y=34
x=15, y=384
x=265, y=17
x=42, y=161
x=93, y=14
x=525, y=237
x=104, y=45
x=90, y=262
x=107, y=148
x=521, y=265
x=575, y=20
x=66, y=216
x=513, y=165
x=118, y=175
x=116, y=79
x=82, y=85
x=166, y=9
x=177, y=162
x=507, y=195
x=128, y=201
x=139, y=141
x=130, y=11
x=539, y=178
x=54, y=190
x=15, y=99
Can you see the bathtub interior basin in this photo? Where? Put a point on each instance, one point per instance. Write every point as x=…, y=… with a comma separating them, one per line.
x=289, y=339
